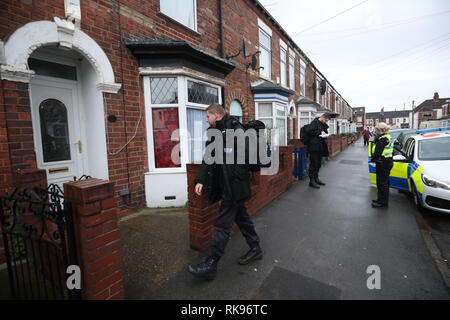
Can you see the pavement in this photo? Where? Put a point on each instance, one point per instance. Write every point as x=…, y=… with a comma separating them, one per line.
x=318, y=244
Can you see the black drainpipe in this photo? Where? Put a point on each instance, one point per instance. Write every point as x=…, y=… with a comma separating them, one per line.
x=221, y=45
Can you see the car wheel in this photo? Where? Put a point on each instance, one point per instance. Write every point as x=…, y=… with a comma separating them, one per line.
x=416, y=197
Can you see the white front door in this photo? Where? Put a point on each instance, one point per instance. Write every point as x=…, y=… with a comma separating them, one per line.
x=56, y=128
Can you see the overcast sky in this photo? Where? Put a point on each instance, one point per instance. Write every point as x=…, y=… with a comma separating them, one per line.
x=381, y=53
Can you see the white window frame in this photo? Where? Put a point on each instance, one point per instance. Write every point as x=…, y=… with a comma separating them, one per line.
x=310, y=117
x=283, y=66
x=292, y=72
x=336, y=104
x=302, y=78
x=182, y=105
x=261, y=46
x=332, y=125
x=275, y=106
x=281, y=107
x=329, y=99
x=174, y=19
x=318, y=90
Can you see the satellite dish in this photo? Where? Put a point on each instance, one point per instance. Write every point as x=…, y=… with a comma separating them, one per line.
x=245, y=46
x=254, y=62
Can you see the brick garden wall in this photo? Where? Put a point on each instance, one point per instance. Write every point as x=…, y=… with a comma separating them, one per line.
x=264, y=189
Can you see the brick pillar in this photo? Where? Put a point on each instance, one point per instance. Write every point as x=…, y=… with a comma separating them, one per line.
x=286, y=158
x=97, y=237
x=201, y=213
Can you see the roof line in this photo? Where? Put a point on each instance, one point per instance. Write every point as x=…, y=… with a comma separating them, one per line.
x=260, y=6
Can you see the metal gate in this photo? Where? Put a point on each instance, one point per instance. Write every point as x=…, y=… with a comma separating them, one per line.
x=301, y=162
x=38, y=236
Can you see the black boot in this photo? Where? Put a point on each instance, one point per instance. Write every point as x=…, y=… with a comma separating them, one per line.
x=379, y=205
x=313, y=184
x=321, y=183
x=252, y=255
x=206, y=269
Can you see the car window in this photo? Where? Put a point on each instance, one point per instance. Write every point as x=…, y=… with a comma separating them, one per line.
x=406, y=146
x=394, y=135
x=434, y=149
x=410, y=151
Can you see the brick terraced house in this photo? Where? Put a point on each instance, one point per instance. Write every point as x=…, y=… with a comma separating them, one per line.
x=432, y=113
x=395, y=119
x=112, y=89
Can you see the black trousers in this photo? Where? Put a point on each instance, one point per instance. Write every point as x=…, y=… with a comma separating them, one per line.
x=383, y=171
x=366, y=141
x=230, y=212
x=315, y=162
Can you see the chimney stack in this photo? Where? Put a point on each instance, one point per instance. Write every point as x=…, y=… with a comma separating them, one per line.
x=436, y=97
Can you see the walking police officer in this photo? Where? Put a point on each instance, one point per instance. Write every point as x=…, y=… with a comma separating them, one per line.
x=229, y=183
x=383, y=148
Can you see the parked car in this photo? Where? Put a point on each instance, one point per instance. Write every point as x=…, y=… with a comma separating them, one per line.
x=422, y=168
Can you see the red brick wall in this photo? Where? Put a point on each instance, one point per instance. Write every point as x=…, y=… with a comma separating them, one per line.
x=422, y=116
x=310, y=92
x=16, y=102
x=5, y=159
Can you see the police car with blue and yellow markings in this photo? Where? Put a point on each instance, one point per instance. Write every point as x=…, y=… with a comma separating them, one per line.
x=422, y=168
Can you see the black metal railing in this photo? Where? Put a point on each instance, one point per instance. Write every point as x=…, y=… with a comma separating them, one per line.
x=39, y=241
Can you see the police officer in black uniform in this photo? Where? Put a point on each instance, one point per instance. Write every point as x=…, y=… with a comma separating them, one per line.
x=230, y=184
x=317, y=148
x=382, y=155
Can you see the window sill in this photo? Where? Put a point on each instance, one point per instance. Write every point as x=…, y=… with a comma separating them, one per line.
x=185, y=27
x=166, y=171
x=264, y=78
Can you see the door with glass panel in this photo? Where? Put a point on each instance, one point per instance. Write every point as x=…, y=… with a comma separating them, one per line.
x=59, y=148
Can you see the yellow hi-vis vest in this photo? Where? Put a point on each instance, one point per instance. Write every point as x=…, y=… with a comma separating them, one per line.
x=388, y=149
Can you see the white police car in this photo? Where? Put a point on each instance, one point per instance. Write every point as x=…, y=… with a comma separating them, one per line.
x=423, y=168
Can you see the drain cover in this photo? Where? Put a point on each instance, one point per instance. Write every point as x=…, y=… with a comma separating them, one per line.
x=352, y=162
x=282, y=284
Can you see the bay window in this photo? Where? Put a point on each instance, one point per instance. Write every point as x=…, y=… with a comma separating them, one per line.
x=177, y=127
x=306, y=118
x=165, y=122
x=332, y=126
x=196, y=124
x=273, y=115
x=281, y=123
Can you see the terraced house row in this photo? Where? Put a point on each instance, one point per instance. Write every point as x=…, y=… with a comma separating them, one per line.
x=110, y=88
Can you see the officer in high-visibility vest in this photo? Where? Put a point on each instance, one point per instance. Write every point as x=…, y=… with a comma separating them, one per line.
x=383, y=148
